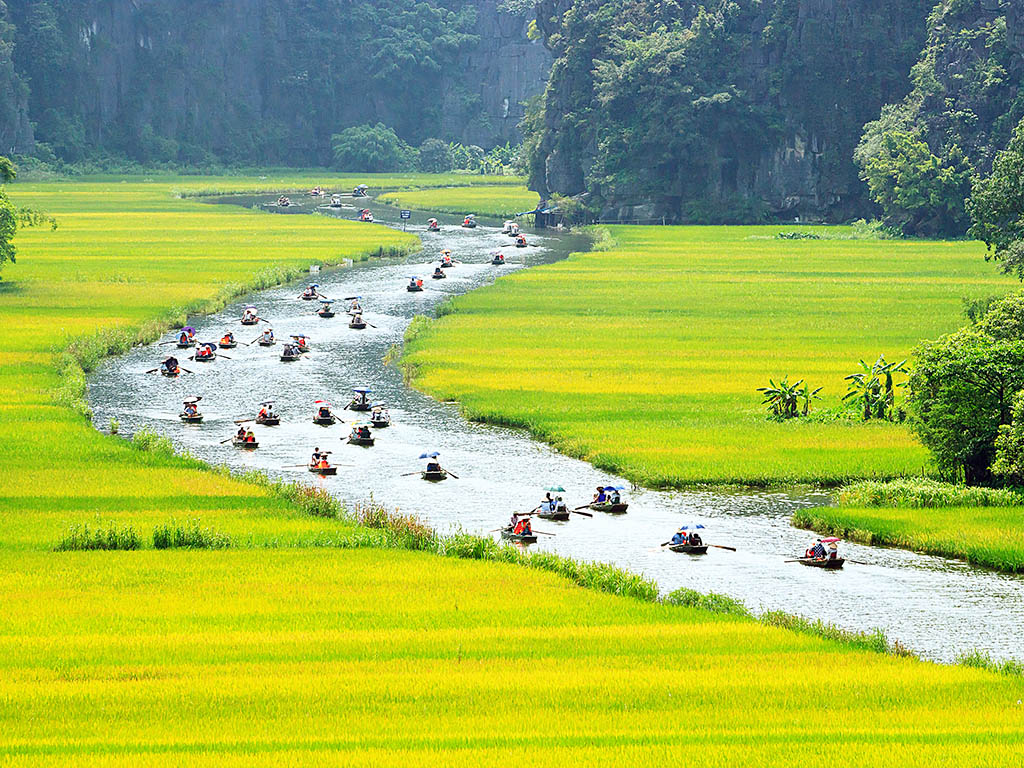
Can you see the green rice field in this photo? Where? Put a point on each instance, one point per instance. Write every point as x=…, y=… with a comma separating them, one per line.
x=644, y=359
x=290, y=648
x=496, y=201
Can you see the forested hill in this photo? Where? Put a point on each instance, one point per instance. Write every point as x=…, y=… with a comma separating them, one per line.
x=264, y=81
x=733, y=109
x=670, y=108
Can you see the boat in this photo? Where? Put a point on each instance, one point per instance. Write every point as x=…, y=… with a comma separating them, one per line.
x=522, y=538
x=433, y=226
x=325, y=421
x=170, y=373
x=612, y=509
x=513, y=229
x=244, y=444
x=366, y=215
x=380, y=422
x=558, y=517
x=438, y=275
x=414, y=287
x=323, y=471
x=288, y=357
x=470, y=221
x=335, y=201
x=267, y=343
x=191, y=419
x=184, y=345
x=325, y=312
x=269, y=421
x=507, y=227
x=228, y=345
x=356, y=439
x=357, y=323
x=434, y=475
x=520, y=242
x=498, y=261
x=828, y=563
x=690, y=549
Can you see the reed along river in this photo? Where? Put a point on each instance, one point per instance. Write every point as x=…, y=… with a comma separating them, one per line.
x=939, y=608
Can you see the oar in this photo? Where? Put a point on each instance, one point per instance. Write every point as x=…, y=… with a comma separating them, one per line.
x=224, y=441
x=224, y=356
x=162, y=343
x=797, y=560
x=408, y=474
x=583, y=507
x=585, y=514
x=857, y=562
x=261, y=320
x=720, y=546
x=186, y=370
x=256, y=339
x=452, y=474
x=243, y=421
x=543, y=534
x=152, y=370
x=369, y=323
x=666, y=543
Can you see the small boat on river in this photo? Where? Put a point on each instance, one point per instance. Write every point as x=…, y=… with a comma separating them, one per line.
x=323, y=415
x=611, y=509
x=290, y=353
x=325, y=310
x=828, y=563
x=268, y=421
x=689, y=549
x=380, y=417
x=434, y=475
x=558, y=515
x=360, y=400
x=470, y=221
x=824, y=554
x=357, y=323
x=246, y=445
x=190, y=411
x=323, y=471
x=433, y=226
x=438, y=274
x=360, y=435
x=415, y=285
x=521, y=538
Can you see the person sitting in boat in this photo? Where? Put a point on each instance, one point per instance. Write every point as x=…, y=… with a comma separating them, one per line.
x=817, y=552
x=227, y=339
x=171, y=365
x=185, y=338
x=438, y=272
x=434, y=466
x=324, y=412
x=599, y=497
x=289, y=350
x=521, y=525
x=413, y=282
x=250, y=437
x=614, y=497
x=362, y=431
x=560, y=505
x=315, y=459
x=432, y=225
x=547, y=505
x=833, y=550
x=248, y=315
x=520, y=240
x=446, y=258
x=191, y=409
x=680, y=537
x=499, y=258
x=240, y=435
x=695, y=539
x=268, y=335
x=264, y=413
x=310, y=293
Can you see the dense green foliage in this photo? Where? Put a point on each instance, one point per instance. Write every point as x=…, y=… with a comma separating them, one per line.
x=966, y=99
x=962, y=388
x=8, y=218
x=693, y=107
x=1009, y=461
x=185, y=83
x=435, y=156
x=997, y=207
x=372, y=149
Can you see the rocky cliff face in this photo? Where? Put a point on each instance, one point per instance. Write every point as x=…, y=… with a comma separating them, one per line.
x=15, y=128
x=268, y=80
x=762, y=103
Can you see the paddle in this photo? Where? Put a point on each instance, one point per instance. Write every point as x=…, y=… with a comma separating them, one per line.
x=224, y=356
x=720, y=546
x=583, y=507
x=409, y=474
x=256, y=339
x=224, y=441
x=543, y=534
x=162, y=343
x=260, y=319
x=186, y=370
x=369, y=324
x=152, y=370
x=243, y=421
x=585, y=514
x=452, y=474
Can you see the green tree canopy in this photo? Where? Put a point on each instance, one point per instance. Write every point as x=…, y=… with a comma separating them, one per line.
x=997, y=207
x=435, y=156
x=372, y=149
x=8, y=171
x=8, y=221
x=962, y=390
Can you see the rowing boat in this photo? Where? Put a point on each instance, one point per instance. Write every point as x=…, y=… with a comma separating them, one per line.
x=690, y=549
x=170, y=374
x=253, y=321
x=558, y=517
x=413, y=288
x=270, y=343
x=498, y=262
x=438, y=276
x=196, y=419
x=324, y=421
x=357, y=405
x=249, y=446
x=434, y=476
x=269, y=421
x=290, y=358
x=522, y=538
x=612, y=509
x=186, y=345
x=229, y=345
x=828, y=563
x=380, y=423
x=204, y=358
x=357, y=326
x=355, y=440
x=323, y=471
x=326, y=314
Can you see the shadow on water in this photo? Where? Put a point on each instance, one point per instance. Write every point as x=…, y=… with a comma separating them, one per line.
x=940, y=608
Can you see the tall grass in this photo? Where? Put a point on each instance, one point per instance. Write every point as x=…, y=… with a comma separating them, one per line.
x=924, y=492
x=82, y=536
x=188, y=534
x=500, y=202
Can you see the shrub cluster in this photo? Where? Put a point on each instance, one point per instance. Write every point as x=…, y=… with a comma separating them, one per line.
x=83, y=537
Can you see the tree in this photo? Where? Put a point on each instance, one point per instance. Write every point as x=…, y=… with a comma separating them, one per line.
x=8, y=219
x=920, y=193
x=372, y=149
x=997, y=207
x=1009, y=461
x=961, y=390
x=435, y=156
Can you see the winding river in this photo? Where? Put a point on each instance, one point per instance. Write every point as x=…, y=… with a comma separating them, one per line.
x=939, y=608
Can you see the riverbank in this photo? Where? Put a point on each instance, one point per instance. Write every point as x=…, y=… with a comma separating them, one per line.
x=644, y=359
x=982, y=526
x=498, y=202
x=257, y=656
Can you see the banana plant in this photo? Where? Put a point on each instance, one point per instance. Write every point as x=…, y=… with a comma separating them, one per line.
x=783, y=399
x=874, y=387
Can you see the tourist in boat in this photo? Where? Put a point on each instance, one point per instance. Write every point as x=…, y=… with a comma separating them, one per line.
x=520, y=241
x=521, y=525
x=546, y=505
x=170, y=365
x=289, y=350
x=415, y=283
x=190, y=409
x=250, y=437
x=249, y=315
x=433, y=465
x=311, y=292
x=614, y=497
x=362, y=431
x=267, y=336
x=680, y=537
x=832, y=551
x=446, y=258
x=438, y=272
x=185, y=337
x=432, y=225
x=323, y=412
x=560, y=505
x=816, y=552
x=315, y=459
x=599, y=497
x=227, y=339
x=240, y=435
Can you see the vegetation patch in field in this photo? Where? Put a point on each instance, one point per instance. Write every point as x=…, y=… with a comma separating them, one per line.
x=497, y=201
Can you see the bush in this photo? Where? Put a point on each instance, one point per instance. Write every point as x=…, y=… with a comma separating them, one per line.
x=921, y=492
x=712, y=601
x=1009, y=461
x=188, y=535
x=82, y=537
x=371, y=149
x=435, y=156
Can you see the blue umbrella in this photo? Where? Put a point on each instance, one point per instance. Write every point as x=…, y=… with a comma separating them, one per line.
x=615, y=487
x=433, y=455
x=361, y=390
x=690, y=527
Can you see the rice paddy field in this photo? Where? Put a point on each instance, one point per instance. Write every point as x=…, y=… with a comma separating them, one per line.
x=645, y=358
x=291, y=648
x=497, y=201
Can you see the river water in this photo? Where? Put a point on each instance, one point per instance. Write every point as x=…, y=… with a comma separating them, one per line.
x=939, y=608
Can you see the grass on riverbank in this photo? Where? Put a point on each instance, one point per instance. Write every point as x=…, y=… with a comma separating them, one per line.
x=254, y=655
x=398, y=658
x=499, y=202
x=644, y=359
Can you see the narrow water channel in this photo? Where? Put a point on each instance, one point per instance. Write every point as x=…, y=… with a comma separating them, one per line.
x=939, y=608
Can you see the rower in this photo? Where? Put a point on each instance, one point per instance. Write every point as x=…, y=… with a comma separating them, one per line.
x=250, y=437
x=240, y=435
x=170, y=364
x=268, y=335
x=434, y=465
x=315, y=459
x=817, y=552
x=560, y=505
x=324, y=412
x=190, y=409
x=547, y=505
x=227, y=338
x=599, y=497
x=680, y=537
x=438, y=272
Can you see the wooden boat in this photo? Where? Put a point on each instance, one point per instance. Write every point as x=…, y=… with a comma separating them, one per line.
x=522, y=538
x=356, y=440
x=327, y=314
x=197, y=419
x=434, y=476
x=323, y=471
x=269, y=421
x=438, y=276
x=324, y=421
x=187, y=345
x=828, y=563
x=380, y=423
x=290, y=358
x=413, y=288
x=612, y=509
x=358, y=405
x=254, y=321
x=498, y=262
x=229, y=345
x=270, y=343
x=357, y=325
x=170, y=374
x=690, y=549
x=558, y=517
x=244, y=444
x=205, y=358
